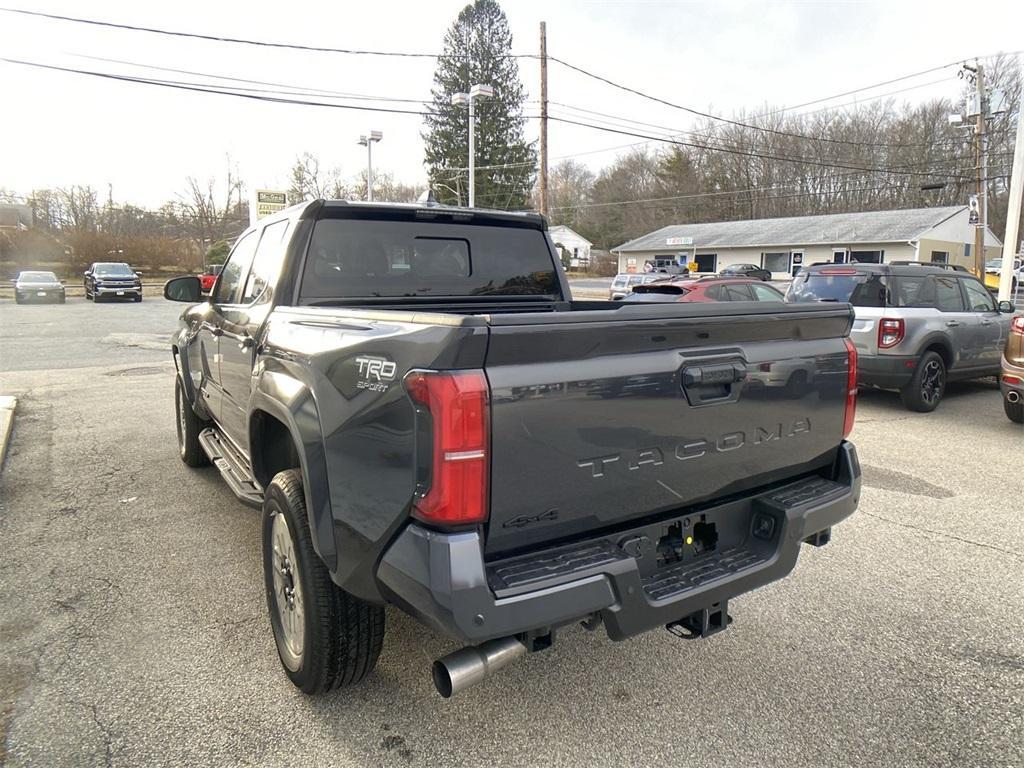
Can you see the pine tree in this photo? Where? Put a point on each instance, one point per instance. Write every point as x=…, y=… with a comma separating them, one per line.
x=476, y=50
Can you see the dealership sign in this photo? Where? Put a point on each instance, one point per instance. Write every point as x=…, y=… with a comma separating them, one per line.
x=268, y=202
x=678, y=241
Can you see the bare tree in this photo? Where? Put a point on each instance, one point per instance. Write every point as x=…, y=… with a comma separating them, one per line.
x=211, y=211
x=310, y=182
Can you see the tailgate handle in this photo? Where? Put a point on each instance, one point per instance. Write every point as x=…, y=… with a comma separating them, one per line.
x=707, y=384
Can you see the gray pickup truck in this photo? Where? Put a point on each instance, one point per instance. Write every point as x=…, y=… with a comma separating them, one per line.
x=915, y=327
x=427, y=419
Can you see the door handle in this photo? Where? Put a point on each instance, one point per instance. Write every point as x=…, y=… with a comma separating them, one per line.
x=952, y=324
x=986, y=322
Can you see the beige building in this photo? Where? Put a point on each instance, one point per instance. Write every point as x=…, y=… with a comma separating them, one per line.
x=782, y=246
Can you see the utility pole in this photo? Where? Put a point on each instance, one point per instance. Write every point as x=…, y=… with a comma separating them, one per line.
x=982, y=171
x=543, y=119
x=1013, y=211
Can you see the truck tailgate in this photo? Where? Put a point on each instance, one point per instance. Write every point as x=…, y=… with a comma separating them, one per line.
x=603, y=418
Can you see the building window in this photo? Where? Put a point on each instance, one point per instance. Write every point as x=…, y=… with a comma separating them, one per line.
x=707, y=262
x=775, y=262
x=867, y=257
x=940, y=257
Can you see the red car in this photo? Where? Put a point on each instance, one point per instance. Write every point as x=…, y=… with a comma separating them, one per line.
x=209, y=277
x=706, y=289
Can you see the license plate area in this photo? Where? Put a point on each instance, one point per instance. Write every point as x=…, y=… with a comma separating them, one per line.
x=120, y=293
x=40, y=293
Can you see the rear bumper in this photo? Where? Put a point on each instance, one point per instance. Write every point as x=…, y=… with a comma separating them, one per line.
x=889, y=371
x=1010, y=370
x=442, y=579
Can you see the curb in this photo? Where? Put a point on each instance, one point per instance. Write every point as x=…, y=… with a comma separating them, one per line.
x=7, y=407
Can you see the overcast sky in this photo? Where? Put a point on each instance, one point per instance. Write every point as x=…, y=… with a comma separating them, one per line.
x=60, y=129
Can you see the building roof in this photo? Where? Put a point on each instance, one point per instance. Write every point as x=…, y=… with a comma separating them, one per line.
x=563, y=228
x=831, y=228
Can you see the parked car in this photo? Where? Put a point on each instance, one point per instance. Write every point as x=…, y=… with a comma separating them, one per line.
x=705, y=289
x=1011, y=378
x=209, y=277
x=440, y=438
x=916, y=328
x=38, y=286
x=624, y=283
x=993, y=274
x=114, y=280
x=746, y=270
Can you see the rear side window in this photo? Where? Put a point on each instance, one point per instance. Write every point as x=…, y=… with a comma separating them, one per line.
x=927, y=292
x=350, y=258
x=862, y=289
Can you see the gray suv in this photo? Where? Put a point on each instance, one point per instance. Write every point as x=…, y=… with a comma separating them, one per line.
x=916, y=327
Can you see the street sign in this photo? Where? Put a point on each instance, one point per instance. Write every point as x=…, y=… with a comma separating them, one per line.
x=268, y=202
x=678, y=241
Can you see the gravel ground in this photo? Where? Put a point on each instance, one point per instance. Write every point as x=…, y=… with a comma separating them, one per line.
x=133, y=628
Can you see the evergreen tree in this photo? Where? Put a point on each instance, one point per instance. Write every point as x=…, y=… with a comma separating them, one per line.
x=476, y=50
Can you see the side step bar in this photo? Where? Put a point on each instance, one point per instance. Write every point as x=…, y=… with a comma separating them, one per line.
x=232, y=466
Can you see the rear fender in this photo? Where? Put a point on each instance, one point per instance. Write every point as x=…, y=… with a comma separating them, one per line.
x=940, y=340
x=291, y=402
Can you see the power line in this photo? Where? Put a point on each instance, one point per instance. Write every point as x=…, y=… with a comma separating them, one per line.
x=709, y=116
x=200, y=88
x=306, y=89
x=723, y=192
x=245, y=41
x=744, y=153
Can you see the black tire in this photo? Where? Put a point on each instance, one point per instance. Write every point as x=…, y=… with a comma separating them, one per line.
x=1014, y=411
x=63, y=299
x=17, y=299
x=138, y=298
x=928, y=384
x=188, y=426
x=341, y=635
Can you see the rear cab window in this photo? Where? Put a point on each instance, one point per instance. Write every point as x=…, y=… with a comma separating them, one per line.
x=400, y=256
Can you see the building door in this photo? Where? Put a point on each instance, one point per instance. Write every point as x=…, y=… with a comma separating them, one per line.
x=796, y=261
x=838, y=255
x=707, y=262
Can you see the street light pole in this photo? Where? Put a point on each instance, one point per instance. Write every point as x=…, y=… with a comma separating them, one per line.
x=367, y=141
x=478, y=91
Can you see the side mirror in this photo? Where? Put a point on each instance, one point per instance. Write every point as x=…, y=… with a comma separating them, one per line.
x=1007, y=307
x=185, y=288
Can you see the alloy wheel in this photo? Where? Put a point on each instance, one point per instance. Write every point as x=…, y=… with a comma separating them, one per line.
x=289, y=601
x=933, y=381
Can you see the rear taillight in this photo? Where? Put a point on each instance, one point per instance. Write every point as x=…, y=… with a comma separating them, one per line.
x=456, y=404
x=890, y=332
x=1017, y=325
x=851, y=388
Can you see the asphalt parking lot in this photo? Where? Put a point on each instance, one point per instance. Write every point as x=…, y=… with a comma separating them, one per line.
x=133, y=628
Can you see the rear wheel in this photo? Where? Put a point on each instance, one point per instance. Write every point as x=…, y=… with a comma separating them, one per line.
x=928, y=384
x=189, y=426
x=1014, y=411
x=325, y=637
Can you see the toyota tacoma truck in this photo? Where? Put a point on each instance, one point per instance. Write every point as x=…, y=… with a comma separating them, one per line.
x=428, y=420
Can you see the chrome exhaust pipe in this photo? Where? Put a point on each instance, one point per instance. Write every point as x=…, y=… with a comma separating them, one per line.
x=474, y=664
x=1013, y=396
